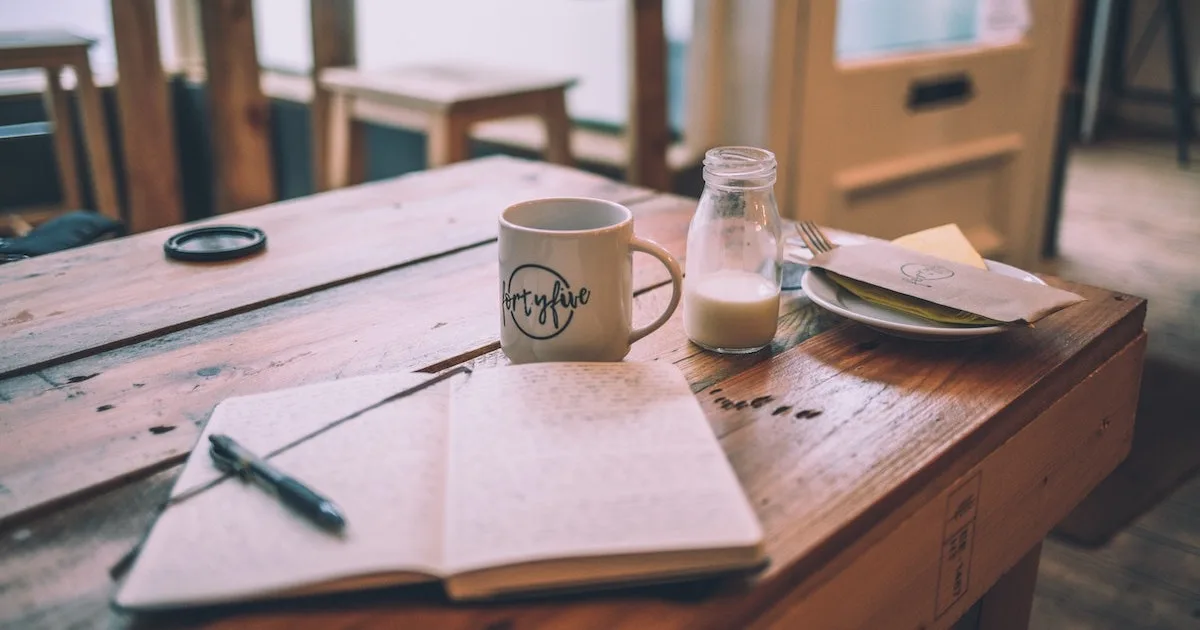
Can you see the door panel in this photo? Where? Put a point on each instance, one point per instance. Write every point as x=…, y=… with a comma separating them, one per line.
x=974, y=196
x=893, y=145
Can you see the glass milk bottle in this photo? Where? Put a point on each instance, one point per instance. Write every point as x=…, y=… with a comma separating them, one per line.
x=734, y=254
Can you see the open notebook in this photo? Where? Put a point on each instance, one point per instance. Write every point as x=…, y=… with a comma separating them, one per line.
x=507, y=480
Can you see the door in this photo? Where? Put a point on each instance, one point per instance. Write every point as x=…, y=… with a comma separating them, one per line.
x=890, y=145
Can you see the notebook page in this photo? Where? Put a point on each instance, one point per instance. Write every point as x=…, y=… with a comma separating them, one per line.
x=551, y=461
x=385, y=469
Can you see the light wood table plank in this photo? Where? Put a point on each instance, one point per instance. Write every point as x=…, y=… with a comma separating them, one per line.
x=51, y=306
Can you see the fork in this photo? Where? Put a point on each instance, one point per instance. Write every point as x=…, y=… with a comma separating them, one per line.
x=813, y=237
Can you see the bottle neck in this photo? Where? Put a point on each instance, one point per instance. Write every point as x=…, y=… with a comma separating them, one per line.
x=739, y=169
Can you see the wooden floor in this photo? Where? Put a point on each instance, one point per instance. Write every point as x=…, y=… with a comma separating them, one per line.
x=1131, y=222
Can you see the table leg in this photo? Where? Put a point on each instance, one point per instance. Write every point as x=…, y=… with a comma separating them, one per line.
x=95, y=136
x=558, y=128
x=341, y=123
x=1008, y=604
x=359, y=158
x=448, y=140
x=59, y=110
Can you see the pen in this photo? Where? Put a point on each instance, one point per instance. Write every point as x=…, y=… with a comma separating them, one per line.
x=232, y=457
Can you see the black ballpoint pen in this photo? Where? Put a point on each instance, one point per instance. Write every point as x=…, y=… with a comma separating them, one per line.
x=231, y=456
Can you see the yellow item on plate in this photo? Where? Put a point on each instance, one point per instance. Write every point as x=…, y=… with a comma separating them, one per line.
x=945, y=241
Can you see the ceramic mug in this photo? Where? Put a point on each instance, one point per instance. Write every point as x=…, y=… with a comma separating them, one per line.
x=566, y=280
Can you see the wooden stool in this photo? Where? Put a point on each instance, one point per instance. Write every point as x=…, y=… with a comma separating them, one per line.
x=52, y=51
x=453, y=97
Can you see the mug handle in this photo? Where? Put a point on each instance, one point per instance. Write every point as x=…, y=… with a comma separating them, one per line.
x=647, y=246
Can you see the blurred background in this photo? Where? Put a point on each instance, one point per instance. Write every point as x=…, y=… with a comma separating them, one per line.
x=1058, y=134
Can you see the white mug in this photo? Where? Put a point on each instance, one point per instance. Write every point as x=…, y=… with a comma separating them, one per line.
x=566, y=280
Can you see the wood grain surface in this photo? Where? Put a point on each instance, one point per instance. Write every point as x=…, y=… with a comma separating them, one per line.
x=140, y=407
x=848, y=443
x=72, y=303
x=897, y=423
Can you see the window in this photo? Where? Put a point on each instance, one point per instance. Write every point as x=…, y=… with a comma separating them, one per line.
x=874, y=27
x=585, y=38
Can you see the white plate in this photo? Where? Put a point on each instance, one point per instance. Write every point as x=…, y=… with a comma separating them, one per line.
x=820, y=289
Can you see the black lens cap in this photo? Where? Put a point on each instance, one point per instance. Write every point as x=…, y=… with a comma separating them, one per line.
x=215, y=242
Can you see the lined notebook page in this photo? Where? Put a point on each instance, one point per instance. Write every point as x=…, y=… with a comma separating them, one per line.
x=572, y=460
x=385, y=469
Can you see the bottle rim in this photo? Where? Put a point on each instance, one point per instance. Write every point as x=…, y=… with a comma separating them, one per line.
x=740, y=163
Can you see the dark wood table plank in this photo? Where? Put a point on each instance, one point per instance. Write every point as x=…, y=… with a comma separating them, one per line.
x=96, y=420
x=899, y=421
x=74, y=303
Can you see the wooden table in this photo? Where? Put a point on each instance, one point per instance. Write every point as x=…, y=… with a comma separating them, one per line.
x=897, y=481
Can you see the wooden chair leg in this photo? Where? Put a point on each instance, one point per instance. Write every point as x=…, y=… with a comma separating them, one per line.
x=96, y=140
x=58, y=109
x=449, y=140
x=558, y=129
x=340, y=131
x=357, y=173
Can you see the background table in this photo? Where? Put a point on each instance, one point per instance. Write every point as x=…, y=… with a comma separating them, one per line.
x=897, y=482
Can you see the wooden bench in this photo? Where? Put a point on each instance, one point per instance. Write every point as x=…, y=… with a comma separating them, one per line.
x=51, y=51
x=451, y=98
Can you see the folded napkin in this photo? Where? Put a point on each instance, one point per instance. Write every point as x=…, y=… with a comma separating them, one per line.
x=946, y=280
